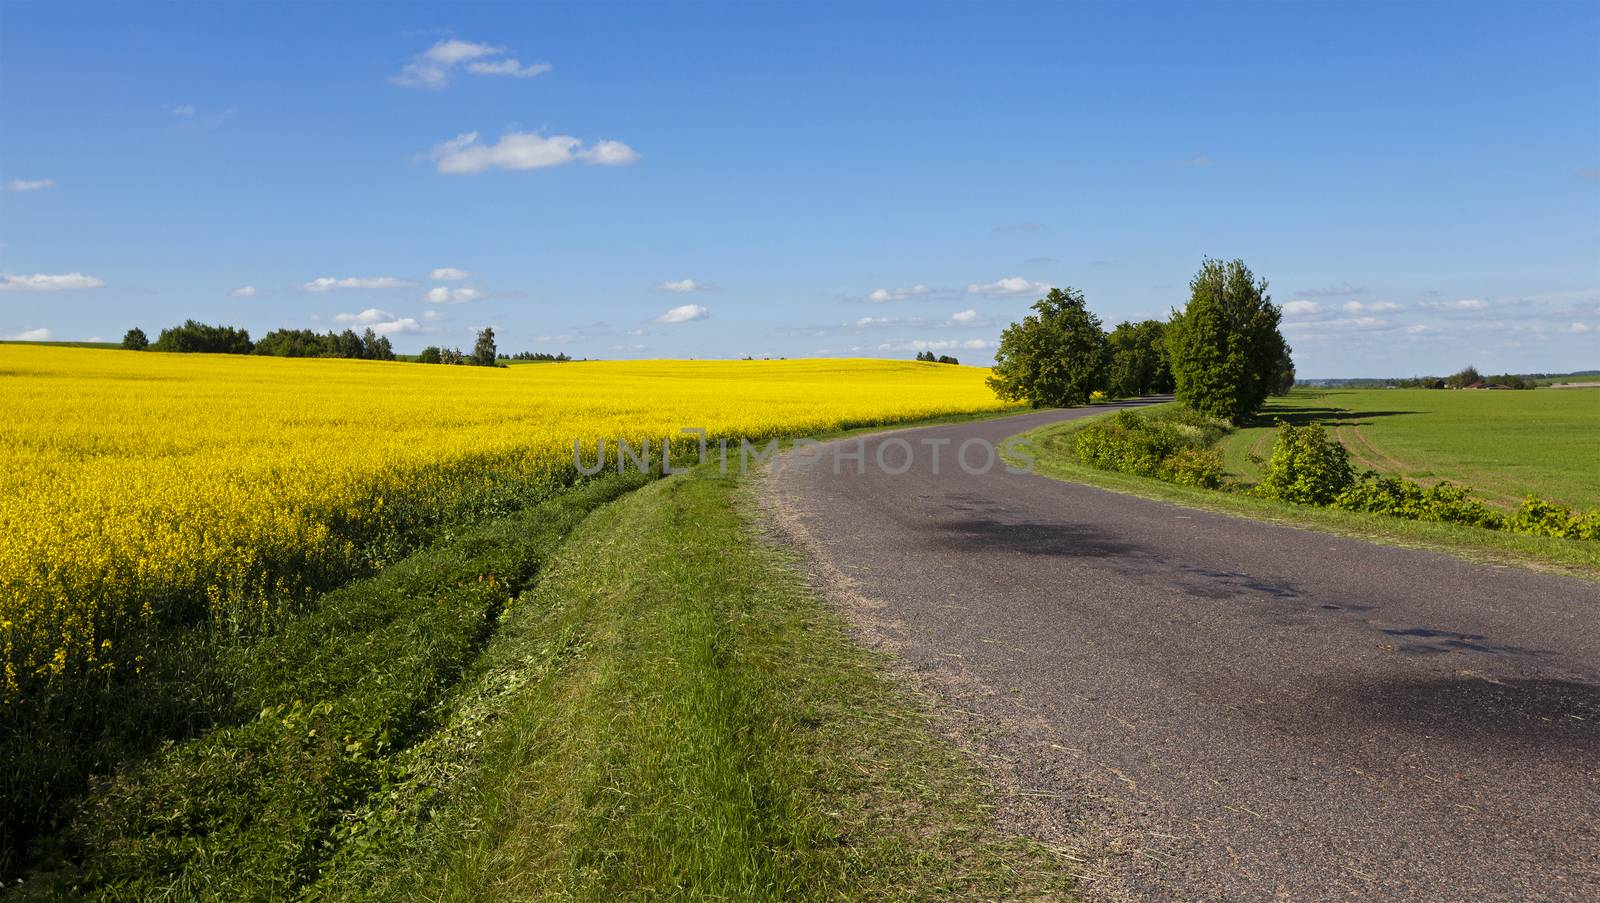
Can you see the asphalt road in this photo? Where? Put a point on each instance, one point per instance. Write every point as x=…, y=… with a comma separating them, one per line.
x=1208, y=707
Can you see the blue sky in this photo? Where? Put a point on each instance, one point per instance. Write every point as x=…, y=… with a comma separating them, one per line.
x=1419, y=182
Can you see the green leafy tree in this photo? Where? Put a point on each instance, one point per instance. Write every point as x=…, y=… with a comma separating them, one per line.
x=198, y=338
x=483, y=351
x=1224, y=346
x=431, y=355
x=1283, y=376
x=1464, y=377
x=1139, y=360
x=1054, y=357
x=135, y=340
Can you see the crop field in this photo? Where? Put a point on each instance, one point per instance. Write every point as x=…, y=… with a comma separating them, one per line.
x=149, y=488
x=1505, y=445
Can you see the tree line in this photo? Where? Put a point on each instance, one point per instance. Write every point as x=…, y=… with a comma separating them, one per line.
x=194, y=337
x=927, y=357
x=1221, y=355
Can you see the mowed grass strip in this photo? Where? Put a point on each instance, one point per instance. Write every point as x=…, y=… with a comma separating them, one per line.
x=252, y=809
x=1052, y=450
x=672, y=714
x=1504, y=444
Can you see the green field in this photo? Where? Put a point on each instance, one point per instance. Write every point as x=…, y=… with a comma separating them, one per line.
x=1506, y=445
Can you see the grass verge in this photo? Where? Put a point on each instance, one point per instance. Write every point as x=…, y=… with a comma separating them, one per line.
x=671, y=713
x=324, y=711
x=1052, y=451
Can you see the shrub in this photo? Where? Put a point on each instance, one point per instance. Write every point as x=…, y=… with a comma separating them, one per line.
x=1306, y=467
x=1545, y=518
x=1200, y=467
x=1171, y=446
x=1399, y=497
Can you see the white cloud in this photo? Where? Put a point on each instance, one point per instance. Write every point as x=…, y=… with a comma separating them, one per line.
x=1466, y=304
x=681, y=286
x=508, y=67
x=964, y=316
x=899, y=294
x=182, y=109
x=1416, y=329
x=244, y=291
x=1581, y=328
x=1373, y=306
x=448, y=274
x=684, y=314
x=329, y=283
x=1011, y=285
x=43, y=282
x=379, y=321
x=441, y=295
x=432, y=67
x=29, y=184
x=938, y=345
x=432, y=315
x=31, y=335
x=1300, y=308
x=525, y=150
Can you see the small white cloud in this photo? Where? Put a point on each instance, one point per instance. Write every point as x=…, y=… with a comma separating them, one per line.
x=329, y=283
x=432, y=315
x=441, y=295
x=508, y=67
x=448, y=274
x=31, y=335
x=881, y=295
x=244, y=291
x=29, y=184
x=1373, y=306
x=525, y=150
x=1468, y=304
x=1416, y=329
x=1300, y=308
x=1011, y=285
x=379, y=321
x=681, y=286
x=964, y=316
x=937, y=345
x=684, y=314
x=433, y=67
x=1581, y=328
x=182, y=109
x=44, y=282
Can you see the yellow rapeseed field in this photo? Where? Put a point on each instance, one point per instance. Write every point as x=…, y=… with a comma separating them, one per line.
x=137, y=485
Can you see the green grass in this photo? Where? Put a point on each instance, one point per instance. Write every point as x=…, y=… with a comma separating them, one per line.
x=1051, y=447
x=1505, y=445
x=319, y=715
x=672, y=714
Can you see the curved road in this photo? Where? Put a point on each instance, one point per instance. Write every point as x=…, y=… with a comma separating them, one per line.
x=1208, y=707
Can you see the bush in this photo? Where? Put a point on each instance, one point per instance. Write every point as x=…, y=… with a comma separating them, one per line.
x=1173, y=446
x=1200, y=467
x=1399, y=497
x=1544, y=518
x=1306, y=467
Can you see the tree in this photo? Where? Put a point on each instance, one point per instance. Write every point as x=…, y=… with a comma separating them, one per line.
x=198, y=338
x=925, y=357
x=945, y=359
x=483, y=351
x=1054, y=358
x=1138, y=360
x=1224, y=346
x=1283, y=375
x=430, y=355
x=135, y=340
x=1464, y=377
